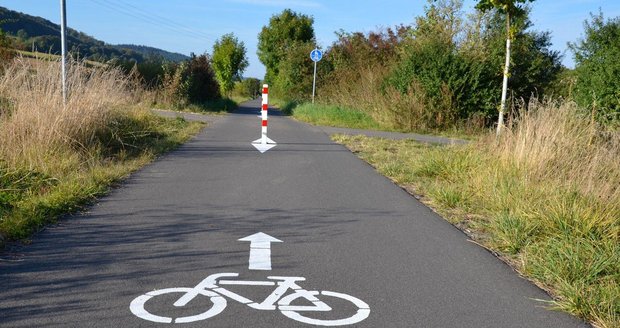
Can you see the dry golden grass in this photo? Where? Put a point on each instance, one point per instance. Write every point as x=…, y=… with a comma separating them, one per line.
x=553, y=141
x=55, y=157
x=359, y=91
x=34, y=123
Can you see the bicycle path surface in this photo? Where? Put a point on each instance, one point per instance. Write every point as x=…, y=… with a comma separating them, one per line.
x=384, y=259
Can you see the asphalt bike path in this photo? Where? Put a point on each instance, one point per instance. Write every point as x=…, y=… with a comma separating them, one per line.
x=216, y=234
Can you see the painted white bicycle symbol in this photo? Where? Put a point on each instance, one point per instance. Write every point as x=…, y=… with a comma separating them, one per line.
x=211, y=287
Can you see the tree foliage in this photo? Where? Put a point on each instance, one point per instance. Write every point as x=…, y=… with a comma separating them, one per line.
x=5, y=53
x=598, y=68
x=229, y=61
x=534, y=66
x=355, y=49
x=284, y=32
x=441, y=71
x=192, y=81
x=28, y=31
x=295, y=72
x=509, y=8
x=505, y=6
x=249, y=87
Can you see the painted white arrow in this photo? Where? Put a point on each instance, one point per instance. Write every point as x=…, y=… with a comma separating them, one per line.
x=260, y=250
x=263, y=144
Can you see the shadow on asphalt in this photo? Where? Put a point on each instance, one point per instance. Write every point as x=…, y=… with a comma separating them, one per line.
x=134, y=242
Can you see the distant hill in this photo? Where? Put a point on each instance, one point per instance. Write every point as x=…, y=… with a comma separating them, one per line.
x=151, y=51
x=29, y=32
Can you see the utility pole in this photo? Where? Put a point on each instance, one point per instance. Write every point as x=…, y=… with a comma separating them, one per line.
x=63, y=38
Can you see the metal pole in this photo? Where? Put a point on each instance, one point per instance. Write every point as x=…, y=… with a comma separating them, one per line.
x=63, y=32
x=314, y=82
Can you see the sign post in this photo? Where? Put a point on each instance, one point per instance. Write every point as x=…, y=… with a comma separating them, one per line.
x=316, y=56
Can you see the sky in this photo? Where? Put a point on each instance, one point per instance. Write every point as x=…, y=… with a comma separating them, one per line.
x=187, y=26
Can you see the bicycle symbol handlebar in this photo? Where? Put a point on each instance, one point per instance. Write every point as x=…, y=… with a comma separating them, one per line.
x=211, y=287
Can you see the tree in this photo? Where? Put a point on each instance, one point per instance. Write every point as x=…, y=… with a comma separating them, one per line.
x=533, y=64
x=282, y=33
x=250, y=87
x=294, y=79
x=229, y=61
x=510, y=8
x=203, y=85
x=597, y=67
x=5, y=52
x=191, y=81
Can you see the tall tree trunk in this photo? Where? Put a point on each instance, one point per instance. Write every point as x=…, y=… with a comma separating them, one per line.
x=502, y=108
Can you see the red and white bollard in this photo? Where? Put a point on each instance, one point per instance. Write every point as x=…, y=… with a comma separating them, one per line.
x=264, y=143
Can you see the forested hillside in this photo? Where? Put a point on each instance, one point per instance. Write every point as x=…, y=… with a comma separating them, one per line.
x=154, y=52
x=35, y=33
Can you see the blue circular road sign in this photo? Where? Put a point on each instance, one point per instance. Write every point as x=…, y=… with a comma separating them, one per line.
x=316, y=55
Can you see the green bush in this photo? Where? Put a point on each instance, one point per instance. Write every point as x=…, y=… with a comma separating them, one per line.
x=598, y=68
x=462, y=79
x=454, y=86
x=190, y=82
x=247, y=88
x=295, y=70
x=441, y=72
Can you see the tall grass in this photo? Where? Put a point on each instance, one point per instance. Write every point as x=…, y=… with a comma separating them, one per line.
x=56, y=156
x=359, y=90
x=36, y=125
x=365, y=90
x=546, y=196
x=553, y=140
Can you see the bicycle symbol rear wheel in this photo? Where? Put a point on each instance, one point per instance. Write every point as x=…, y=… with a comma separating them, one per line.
x=137, y=305
x=362, y=313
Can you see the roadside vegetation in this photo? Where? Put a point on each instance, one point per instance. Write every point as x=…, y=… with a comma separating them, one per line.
x=444, y=71
x=545, y=194
x=332, y=116
x=55, y=158
x=204, y=83
x=198, y=83
x=546, y=198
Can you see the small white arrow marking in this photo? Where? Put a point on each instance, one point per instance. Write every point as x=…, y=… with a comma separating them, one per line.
x=263, y=147
x=260, y=250
x=263, y=144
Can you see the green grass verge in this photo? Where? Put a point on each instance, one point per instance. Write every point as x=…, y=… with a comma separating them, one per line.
x=337, y=116
x=31, y=198
x=240, y=99
x=328, y=115
x=219, y=106
x=564, y=240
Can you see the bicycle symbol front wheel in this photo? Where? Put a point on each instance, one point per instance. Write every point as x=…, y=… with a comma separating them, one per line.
x=137, y=305
x=362, y=313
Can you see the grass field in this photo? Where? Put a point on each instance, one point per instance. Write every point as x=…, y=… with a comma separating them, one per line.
x=51, y=57
x=546, y=197
x=333, y=116
x=220, y=106
x=338, y=116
